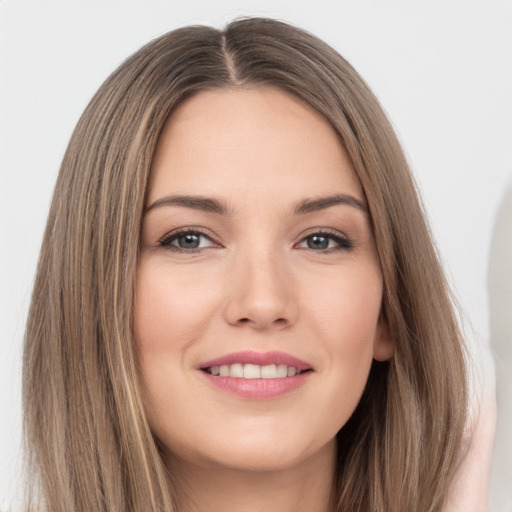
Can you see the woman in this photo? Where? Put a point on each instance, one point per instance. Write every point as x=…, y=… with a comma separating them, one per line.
x=238, y=305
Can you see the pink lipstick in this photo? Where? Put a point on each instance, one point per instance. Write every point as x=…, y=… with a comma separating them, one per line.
x=257, y=375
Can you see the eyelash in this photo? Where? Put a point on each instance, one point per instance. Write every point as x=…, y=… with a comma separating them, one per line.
x=343, y=243
x=167, y=240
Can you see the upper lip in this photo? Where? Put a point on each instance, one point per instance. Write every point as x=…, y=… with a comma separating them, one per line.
x=258, y=358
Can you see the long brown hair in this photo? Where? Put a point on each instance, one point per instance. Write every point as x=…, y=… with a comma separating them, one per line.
x=88, y=442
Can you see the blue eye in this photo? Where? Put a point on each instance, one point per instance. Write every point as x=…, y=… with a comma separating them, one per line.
x=187, y=241
x=318, y=242
x=326, y=242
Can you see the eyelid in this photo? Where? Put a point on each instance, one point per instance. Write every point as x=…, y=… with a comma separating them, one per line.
x=344, y=242
x=165, y=241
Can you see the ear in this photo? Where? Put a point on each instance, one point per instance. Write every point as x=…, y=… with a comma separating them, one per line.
x=383, y=344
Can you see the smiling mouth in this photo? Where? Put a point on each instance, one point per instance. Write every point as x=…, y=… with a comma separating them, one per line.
x=254, y=371
x=254, y=375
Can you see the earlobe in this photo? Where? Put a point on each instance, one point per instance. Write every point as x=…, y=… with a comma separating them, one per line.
x=384, y=345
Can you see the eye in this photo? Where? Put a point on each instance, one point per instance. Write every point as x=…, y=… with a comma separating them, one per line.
x=326, y=242
x=187, y=240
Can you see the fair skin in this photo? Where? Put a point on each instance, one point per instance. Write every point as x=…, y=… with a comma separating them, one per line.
x=260, y=275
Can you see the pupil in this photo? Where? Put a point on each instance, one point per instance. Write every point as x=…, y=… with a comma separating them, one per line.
x=318, y=242
x=189, y=241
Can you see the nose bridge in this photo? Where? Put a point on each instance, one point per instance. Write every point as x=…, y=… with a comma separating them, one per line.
x=261, y=293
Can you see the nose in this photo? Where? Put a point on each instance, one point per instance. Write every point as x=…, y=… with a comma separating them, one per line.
x=261, y=294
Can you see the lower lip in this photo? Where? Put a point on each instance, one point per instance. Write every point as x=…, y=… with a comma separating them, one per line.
x=258, y=389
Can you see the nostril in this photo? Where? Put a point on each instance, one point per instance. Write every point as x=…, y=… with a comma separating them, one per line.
x=278, y=321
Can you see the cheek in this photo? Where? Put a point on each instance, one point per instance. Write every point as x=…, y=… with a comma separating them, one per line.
x=347, y=309
x=346, y=320
x=171, y=310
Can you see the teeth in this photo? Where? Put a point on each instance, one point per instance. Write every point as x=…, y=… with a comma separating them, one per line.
x=282, y=370
x=236, y=370
x=254, y=371
x=269, y=372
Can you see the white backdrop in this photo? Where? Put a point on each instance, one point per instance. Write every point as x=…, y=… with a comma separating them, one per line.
x=441, y=68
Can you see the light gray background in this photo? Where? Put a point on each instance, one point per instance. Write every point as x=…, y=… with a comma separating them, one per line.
x=441, y=68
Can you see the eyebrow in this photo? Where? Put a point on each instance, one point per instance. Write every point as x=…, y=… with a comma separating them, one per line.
x=322, y=203
x=212, y=205
x=206, y=204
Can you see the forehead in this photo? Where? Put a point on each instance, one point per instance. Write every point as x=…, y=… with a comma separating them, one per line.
x=241, y=142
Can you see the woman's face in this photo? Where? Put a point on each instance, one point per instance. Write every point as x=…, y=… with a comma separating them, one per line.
x=258, y=286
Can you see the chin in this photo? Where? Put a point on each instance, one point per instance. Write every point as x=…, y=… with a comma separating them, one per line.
x=256, y=451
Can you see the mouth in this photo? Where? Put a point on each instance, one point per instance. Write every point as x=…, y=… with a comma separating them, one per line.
x=254, y=371
x=257, y=375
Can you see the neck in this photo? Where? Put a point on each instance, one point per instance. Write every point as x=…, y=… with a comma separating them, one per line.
x=301, y=488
